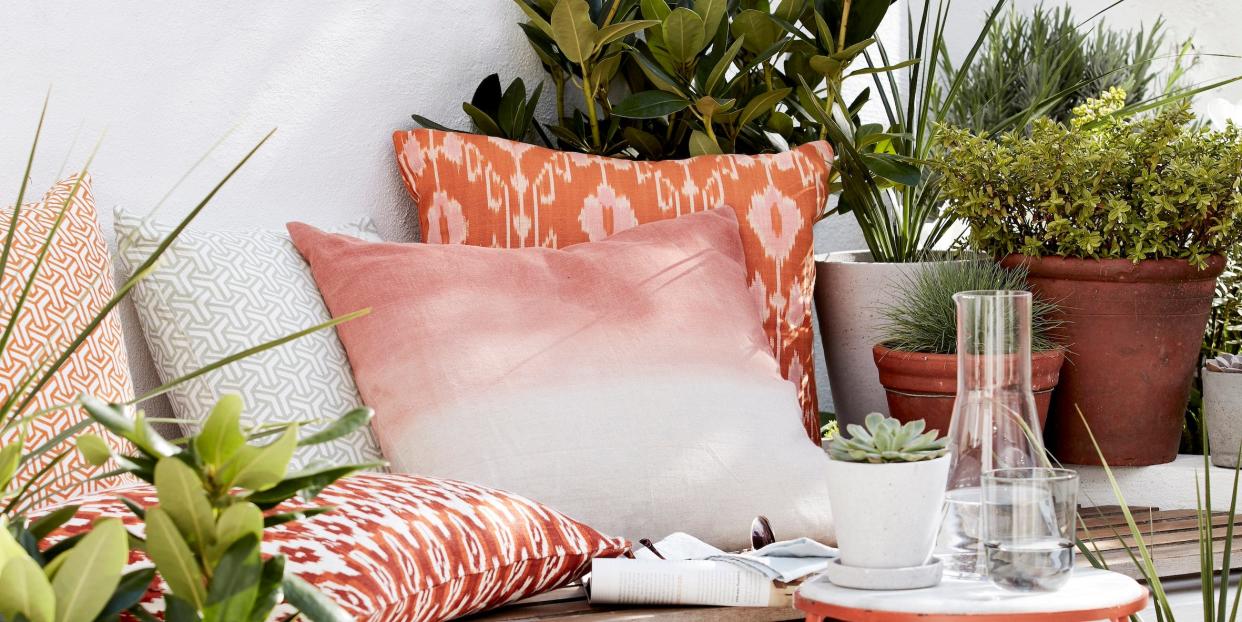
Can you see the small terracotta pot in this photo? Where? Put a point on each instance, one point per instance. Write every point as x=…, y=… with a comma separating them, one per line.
x=924, y=386
x=1133, y=331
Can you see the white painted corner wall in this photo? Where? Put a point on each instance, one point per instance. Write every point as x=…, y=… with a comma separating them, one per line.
x=168, y=80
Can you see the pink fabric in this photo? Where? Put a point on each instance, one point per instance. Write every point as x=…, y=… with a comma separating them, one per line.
x=603, y=379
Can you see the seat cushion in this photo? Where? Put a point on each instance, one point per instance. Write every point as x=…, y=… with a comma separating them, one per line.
x=70, y=288
x=627, y=382
x=216, y=293
x=485, y=191
x=401, y=547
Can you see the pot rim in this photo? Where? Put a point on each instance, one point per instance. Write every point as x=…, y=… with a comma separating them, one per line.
x=882, y=350
x=864, y=256
x=1115, y=270
x=946, y=456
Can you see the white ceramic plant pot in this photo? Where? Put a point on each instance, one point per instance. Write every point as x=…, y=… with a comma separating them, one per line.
x=851, y=293
x=887, y=515
x=1222, y=406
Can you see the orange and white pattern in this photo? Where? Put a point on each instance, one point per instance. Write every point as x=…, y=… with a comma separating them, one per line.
x=486, y=191
x=72, y=285
x=402, y=547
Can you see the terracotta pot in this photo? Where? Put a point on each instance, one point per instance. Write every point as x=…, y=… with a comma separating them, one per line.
x=1133, y=331
x=924, y=386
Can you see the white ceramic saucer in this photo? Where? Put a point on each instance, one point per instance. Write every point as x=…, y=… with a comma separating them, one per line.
x=911, y=578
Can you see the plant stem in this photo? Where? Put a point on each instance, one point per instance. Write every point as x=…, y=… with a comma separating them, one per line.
x=845, y=18
x=612, y=13
x=588, y=89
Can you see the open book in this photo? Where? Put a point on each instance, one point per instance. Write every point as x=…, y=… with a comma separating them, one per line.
x=695, y=573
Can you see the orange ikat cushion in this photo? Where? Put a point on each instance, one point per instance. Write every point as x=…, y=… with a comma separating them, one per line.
x=72, y=285
x=484, y=191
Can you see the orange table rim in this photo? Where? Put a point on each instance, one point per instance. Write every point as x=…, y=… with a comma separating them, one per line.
x=817, y=611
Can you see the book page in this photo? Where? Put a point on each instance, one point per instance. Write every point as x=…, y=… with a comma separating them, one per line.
x=689, y=582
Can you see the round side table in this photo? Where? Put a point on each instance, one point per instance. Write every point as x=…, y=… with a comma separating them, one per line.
x=1089, y=595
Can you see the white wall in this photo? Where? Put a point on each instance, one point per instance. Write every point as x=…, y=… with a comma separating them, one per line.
x=169, y=79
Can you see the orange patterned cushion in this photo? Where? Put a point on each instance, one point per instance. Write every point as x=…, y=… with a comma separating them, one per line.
x=74, y=282
x=491, y=192
x=403, y=547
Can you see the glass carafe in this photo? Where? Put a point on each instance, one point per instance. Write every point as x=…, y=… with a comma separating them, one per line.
x=995, y=423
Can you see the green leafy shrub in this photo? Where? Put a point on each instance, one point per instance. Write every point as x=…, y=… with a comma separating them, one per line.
x=1109, y=187
x=882, y=439
x=664, y=79
x=1045, y=63
x=924, y=319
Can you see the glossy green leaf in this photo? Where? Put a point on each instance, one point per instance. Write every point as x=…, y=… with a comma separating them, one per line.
x=702, y=144
x=656, y=73
x=173, y=558
x=721, y=69
x=25, y=590
x=619, y=31
x=761, y=105
x=573, y=30
x=710, y=106
x=428, y=123
x=179, y=610
x=790, y=10
x=485, y=124
x=655, y=9
x=345, y=425
x=311, y=602
x=683, y=35
x=758, y=29
x=306, y=483
x=650, y=105
x=49, y=522
x=713, y=13
x=182, y=496
x=271, y=588
x=235, y=582
x=260, y=468
x=90, y=572
x=535, y=18
x=10, y=459
x=512, y=108
x=221, y=434
x=136, y=430
x=93, y=449
x=129, y=591
x=647, y=144
x=236, y=522
x=892, y=168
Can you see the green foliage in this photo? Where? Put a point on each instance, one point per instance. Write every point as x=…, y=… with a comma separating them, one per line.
x=665, y=79
x=924, y=318
x=1137, y=188
x=1045, y=63
x=885, y=440
x=1214, y=586
x=204, y=535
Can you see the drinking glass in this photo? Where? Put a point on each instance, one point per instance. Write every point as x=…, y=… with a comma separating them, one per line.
x=995, y=423
x=1029, y=517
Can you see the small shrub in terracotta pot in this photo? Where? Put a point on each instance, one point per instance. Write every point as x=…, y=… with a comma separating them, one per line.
x=1123, y=222
x=917, y=360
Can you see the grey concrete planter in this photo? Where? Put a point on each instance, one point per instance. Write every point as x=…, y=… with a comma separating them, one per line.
x=1222, y=406
x=851, y=292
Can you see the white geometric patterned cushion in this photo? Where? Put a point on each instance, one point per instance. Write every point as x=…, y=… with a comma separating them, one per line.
x=215, y=293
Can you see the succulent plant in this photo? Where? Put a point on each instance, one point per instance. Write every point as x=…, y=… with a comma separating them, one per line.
x=1227, y=363
x=884, y=439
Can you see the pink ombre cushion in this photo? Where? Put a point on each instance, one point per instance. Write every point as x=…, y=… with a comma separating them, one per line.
x=626, y=382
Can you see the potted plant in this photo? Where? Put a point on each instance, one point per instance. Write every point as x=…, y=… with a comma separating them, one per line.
x=1122, y=221
x=886, y=486
x=917, y=359
x=1222, y=408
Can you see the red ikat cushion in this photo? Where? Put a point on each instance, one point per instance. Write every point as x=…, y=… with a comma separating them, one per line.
x=402, y=547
